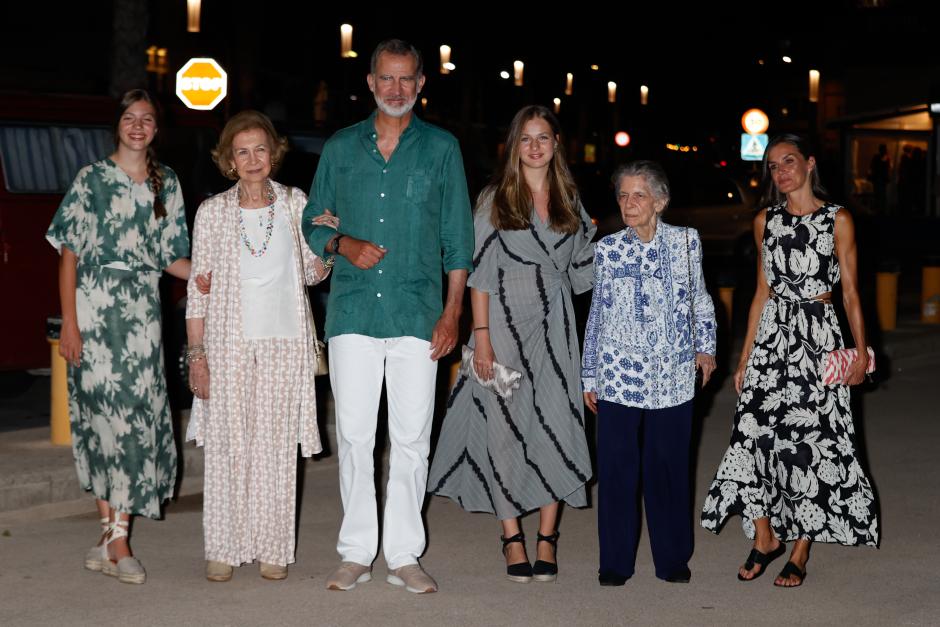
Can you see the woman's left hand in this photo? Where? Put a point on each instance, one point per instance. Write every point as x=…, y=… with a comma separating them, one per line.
x=327, y=219
x=705, y=363
x=855, y=373
x=204, y=282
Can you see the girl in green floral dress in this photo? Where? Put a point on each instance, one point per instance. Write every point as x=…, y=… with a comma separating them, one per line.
x=121, y=224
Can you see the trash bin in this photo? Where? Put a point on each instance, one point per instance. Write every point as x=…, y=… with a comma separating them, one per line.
x=886, y=294
x=930, y=291
x=59, y=430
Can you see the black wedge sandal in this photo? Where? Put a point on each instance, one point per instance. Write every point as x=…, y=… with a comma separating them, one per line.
x=756, y=558
x=521, y=572
x=547, y=571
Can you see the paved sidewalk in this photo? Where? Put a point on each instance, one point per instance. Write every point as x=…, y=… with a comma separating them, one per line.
x=42, y=581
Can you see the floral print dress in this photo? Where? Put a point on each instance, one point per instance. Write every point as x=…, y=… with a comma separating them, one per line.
x=122, y=435
x=792, y=452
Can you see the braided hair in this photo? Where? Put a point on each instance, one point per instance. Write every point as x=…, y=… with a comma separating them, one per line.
x=154, y=171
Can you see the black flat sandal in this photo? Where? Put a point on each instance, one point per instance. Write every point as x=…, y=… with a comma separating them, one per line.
x=521, y=572
x=791, y=570
x=756, y=558
x=542, y=570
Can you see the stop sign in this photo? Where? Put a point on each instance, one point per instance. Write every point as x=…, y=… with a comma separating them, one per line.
x=201, y=84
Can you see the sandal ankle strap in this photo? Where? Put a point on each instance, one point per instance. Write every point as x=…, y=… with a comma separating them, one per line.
x=519, y=537
x=104, y=521
x=117, y=529
x=552, y=539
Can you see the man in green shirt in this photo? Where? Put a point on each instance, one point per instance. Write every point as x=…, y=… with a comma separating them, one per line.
x=398, y=188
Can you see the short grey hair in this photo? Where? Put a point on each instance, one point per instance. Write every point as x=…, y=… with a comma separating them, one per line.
x=651, y=171
x=397, y=47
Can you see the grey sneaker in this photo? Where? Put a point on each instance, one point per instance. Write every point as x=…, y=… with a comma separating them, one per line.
x=413, y=578
x=347, y=575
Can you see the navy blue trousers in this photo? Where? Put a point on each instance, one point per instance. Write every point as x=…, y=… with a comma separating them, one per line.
x=652, y=446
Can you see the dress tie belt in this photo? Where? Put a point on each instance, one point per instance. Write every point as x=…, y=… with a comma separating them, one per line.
x=792, y=304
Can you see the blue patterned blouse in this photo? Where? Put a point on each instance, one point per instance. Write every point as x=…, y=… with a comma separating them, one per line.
x=638, y=346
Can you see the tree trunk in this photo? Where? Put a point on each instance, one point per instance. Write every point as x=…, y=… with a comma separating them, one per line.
x=128, y=46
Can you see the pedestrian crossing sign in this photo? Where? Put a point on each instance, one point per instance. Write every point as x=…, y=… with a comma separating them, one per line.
x=753, y=146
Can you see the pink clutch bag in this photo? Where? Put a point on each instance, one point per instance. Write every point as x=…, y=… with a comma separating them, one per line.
x=837, y=362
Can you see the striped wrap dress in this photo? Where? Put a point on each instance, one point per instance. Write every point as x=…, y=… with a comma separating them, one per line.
x=511, y=457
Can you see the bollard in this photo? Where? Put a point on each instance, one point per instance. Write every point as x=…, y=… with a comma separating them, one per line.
x=726, y=296
x=930, y=294
x=454, y=369
x=886, y=296
x=59, y=430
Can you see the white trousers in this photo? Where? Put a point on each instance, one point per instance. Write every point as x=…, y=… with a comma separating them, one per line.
x=358, y=364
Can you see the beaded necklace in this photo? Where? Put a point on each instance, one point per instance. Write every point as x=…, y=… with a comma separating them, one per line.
x=268, y=230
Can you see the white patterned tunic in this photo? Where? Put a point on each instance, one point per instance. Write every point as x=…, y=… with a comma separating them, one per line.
x=649, y=301
x=261, y=402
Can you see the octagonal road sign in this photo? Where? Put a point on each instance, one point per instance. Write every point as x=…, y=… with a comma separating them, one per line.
x=201, y=84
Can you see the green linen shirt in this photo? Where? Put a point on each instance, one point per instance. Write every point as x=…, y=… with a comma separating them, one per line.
x=415, y=205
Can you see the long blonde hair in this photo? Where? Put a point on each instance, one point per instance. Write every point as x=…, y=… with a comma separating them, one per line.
x=512, y=198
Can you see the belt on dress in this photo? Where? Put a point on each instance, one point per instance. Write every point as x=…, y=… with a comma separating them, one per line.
x=792, y=304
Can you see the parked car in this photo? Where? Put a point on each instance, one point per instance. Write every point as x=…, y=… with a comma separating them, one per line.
x=720, y=207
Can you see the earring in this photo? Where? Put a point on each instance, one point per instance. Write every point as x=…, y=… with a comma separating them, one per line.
x=273, y=163
x=232, y=172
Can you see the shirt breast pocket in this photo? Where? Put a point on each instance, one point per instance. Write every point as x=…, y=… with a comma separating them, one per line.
x=418, y=187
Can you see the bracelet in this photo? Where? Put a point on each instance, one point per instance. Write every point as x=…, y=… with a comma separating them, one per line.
x=475, y=329
x=195, y=353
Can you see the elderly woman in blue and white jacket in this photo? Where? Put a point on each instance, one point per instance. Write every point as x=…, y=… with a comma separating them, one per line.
x=652, y=324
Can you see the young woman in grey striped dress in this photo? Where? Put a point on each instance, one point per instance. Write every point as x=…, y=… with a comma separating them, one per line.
x=510, y=456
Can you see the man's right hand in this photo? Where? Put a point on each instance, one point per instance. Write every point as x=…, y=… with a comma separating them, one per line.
x=360, y=253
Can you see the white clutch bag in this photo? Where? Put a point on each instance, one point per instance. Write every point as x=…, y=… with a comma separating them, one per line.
x=504, y=380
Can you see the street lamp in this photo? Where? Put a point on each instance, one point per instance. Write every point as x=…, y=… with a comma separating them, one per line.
x=446, y=65
x=569, y=84
x=557, y=102
x=611, y=91
x=345, y=42
x=814, y=85
x=517, y=67
x=193, y=8
x=644, y=95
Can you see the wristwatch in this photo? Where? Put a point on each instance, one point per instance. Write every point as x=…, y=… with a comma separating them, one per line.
x=334, y=244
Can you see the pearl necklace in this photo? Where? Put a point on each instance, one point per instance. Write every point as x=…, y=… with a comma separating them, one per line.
x=268, y=231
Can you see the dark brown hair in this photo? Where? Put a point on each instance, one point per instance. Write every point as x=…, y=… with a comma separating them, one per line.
x=769, y=194
x=247, y=120
x=154, y=173
x=512, y=198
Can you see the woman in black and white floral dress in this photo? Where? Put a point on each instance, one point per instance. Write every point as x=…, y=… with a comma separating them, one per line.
x=791, y=471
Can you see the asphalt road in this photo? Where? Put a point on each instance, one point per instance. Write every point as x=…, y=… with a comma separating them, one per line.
x=42, y=581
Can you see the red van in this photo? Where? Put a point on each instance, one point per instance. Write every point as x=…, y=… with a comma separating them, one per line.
x=44, y=141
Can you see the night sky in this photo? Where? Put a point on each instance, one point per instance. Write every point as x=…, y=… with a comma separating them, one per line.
x=702, y=64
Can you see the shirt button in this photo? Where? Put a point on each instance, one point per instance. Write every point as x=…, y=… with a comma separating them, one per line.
x=384, y=171
x=379, y=294
x=381, y=219
x=382, y=194
x=373, y=150
x=380, y=272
